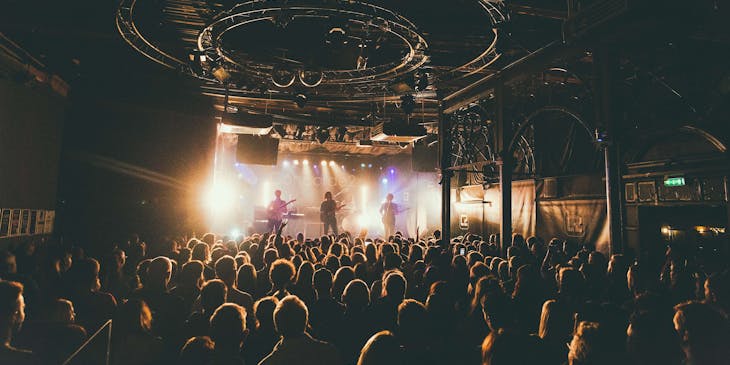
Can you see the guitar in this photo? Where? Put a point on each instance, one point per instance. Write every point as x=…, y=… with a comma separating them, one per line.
x=398, y=211
x=323, y=215
x=273, y=213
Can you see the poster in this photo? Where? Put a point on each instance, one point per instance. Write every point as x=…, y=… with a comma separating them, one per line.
x=48, y=227
x=24, y=221
x=40, y=222
x=15, y=223
x=4, y=222
x=33, y=221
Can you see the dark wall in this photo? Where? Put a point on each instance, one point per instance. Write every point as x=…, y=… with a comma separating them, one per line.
x=31, y=121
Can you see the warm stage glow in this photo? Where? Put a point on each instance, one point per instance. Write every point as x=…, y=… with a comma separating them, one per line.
x=296, y=162
x=305, y=162
x=332, y=164
x=220, y=198
x=323, y=163
x=266, y=193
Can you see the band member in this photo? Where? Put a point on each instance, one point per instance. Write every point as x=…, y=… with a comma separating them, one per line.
x=327, y=211
x=276, y=210
x=388, y=211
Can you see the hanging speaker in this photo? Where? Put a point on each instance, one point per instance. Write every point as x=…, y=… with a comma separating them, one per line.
x=257, y=150
x=425, y=157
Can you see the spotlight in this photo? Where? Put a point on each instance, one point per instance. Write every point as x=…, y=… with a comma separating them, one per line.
x=336, y=37
x=370, y=166
x=300, y=100
x=362, y=165
x=392, y=171
x=332, y=164
x=286, y=163
x=323, y=163
x=408, y=104
x=384, y=181
x=305, y=162
x=235, y=233
x=311, y=78
x=221, y=74
x=282, y=76
x=296, y=162
x=196, y=56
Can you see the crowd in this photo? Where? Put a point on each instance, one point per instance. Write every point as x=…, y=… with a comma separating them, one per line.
x=268, y=299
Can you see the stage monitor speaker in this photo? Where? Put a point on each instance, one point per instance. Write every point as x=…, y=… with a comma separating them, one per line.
x=425, y=158
x=257, y=150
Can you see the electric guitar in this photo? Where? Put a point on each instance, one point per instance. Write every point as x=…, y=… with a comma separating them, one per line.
x=273, y=213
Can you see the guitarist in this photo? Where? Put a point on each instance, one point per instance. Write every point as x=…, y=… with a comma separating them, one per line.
x=327, y=211
x=388, y=211
x=276, y=210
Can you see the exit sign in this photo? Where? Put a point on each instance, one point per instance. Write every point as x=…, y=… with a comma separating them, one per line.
x=674, y=181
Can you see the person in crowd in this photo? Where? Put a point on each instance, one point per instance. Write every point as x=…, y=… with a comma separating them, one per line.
x=703, y=333
x=197, y=351
x=509, y=347
x=263, y=337
x=132, y=340
x=189, y=282
x=381, y=349
x=228, y=330
x=296, y=345
x=55, y=336
x=303, y=285
x=385, y=309
x=212, y=295
x=281, y=276
x=93, y=307
x=12, y=316
x=326, y=312
x=225, y=269
x=168, y=309
x=356, y=322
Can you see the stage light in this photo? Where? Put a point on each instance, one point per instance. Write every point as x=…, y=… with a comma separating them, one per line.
x=362, y=165
x=311, y=78
x=266, y=193
x=282, y=76
x=221, y=74
x=220, y=198
x=392, y=171
x=301, y=100
x=305, y=162
x=332, y=164
x=323, y=163
x=235, y=233
x=286, y=163
x=296, y=162
x=384, y=181
x=336, y=37
x=370, y=166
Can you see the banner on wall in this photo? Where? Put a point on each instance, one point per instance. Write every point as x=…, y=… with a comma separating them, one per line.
x=15, y=223
x=33, y=221
x=576, y=220
x=24, y=221
x=48, y=226
x=4, y=222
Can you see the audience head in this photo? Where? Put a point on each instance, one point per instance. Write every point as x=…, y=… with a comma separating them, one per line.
x=589, y=346
x=356, y=295
x=506, y=347
x=228, y=325
x=225, y=269
x=281, y=273
x=264, y=311
x=191, y=274
x=703, y=333
x=12, y=306
x=212, y=295
x=381, y=349
x=159, y=271
x=197, y=351
x=291, y=317
x=132, y=317
x=322, y=282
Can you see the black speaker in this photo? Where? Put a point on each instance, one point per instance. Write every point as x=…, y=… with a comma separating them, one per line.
x=425, y=158
x=257, y=150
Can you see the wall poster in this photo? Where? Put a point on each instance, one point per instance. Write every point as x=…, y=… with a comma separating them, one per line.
x=24, y=221
x=15, y=223
x=33, y=221
x=40, y=222
x=4, y=222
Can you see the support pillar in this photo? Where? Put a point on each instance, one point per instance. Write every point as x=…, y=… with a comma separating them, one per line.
x=506, y=167
x=606, y=136
x=445, y=164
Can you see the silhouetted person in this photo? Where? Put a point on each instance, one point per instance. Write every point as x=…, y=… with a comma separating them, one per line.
x=385, y=309
x=326, y=312
x=281, y=275
x=228, y=330
x=381, y=349
x=197, y=351
x=212, y=295
x=357, y=324
x=167, y=309
x=296, y=345
x=12, y=316
x=506, y=347
x=225, y=269
x=263, y=337
x=703, y=332
x=92, y=306
x=132, y=339
x=55, y=337
x=190, y=279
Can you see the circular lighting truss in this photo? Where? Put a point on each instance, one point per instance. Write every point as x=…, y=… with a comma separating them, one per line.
x=355, y=12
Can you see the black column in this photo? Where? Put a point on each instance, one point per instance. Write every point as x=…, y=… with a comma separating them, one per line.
x=445, y=163
x=606, y=136
x=506, y=166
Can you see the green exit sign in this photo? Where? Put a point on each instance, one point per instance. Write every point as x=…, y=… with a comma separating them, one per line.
x=674, y=181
